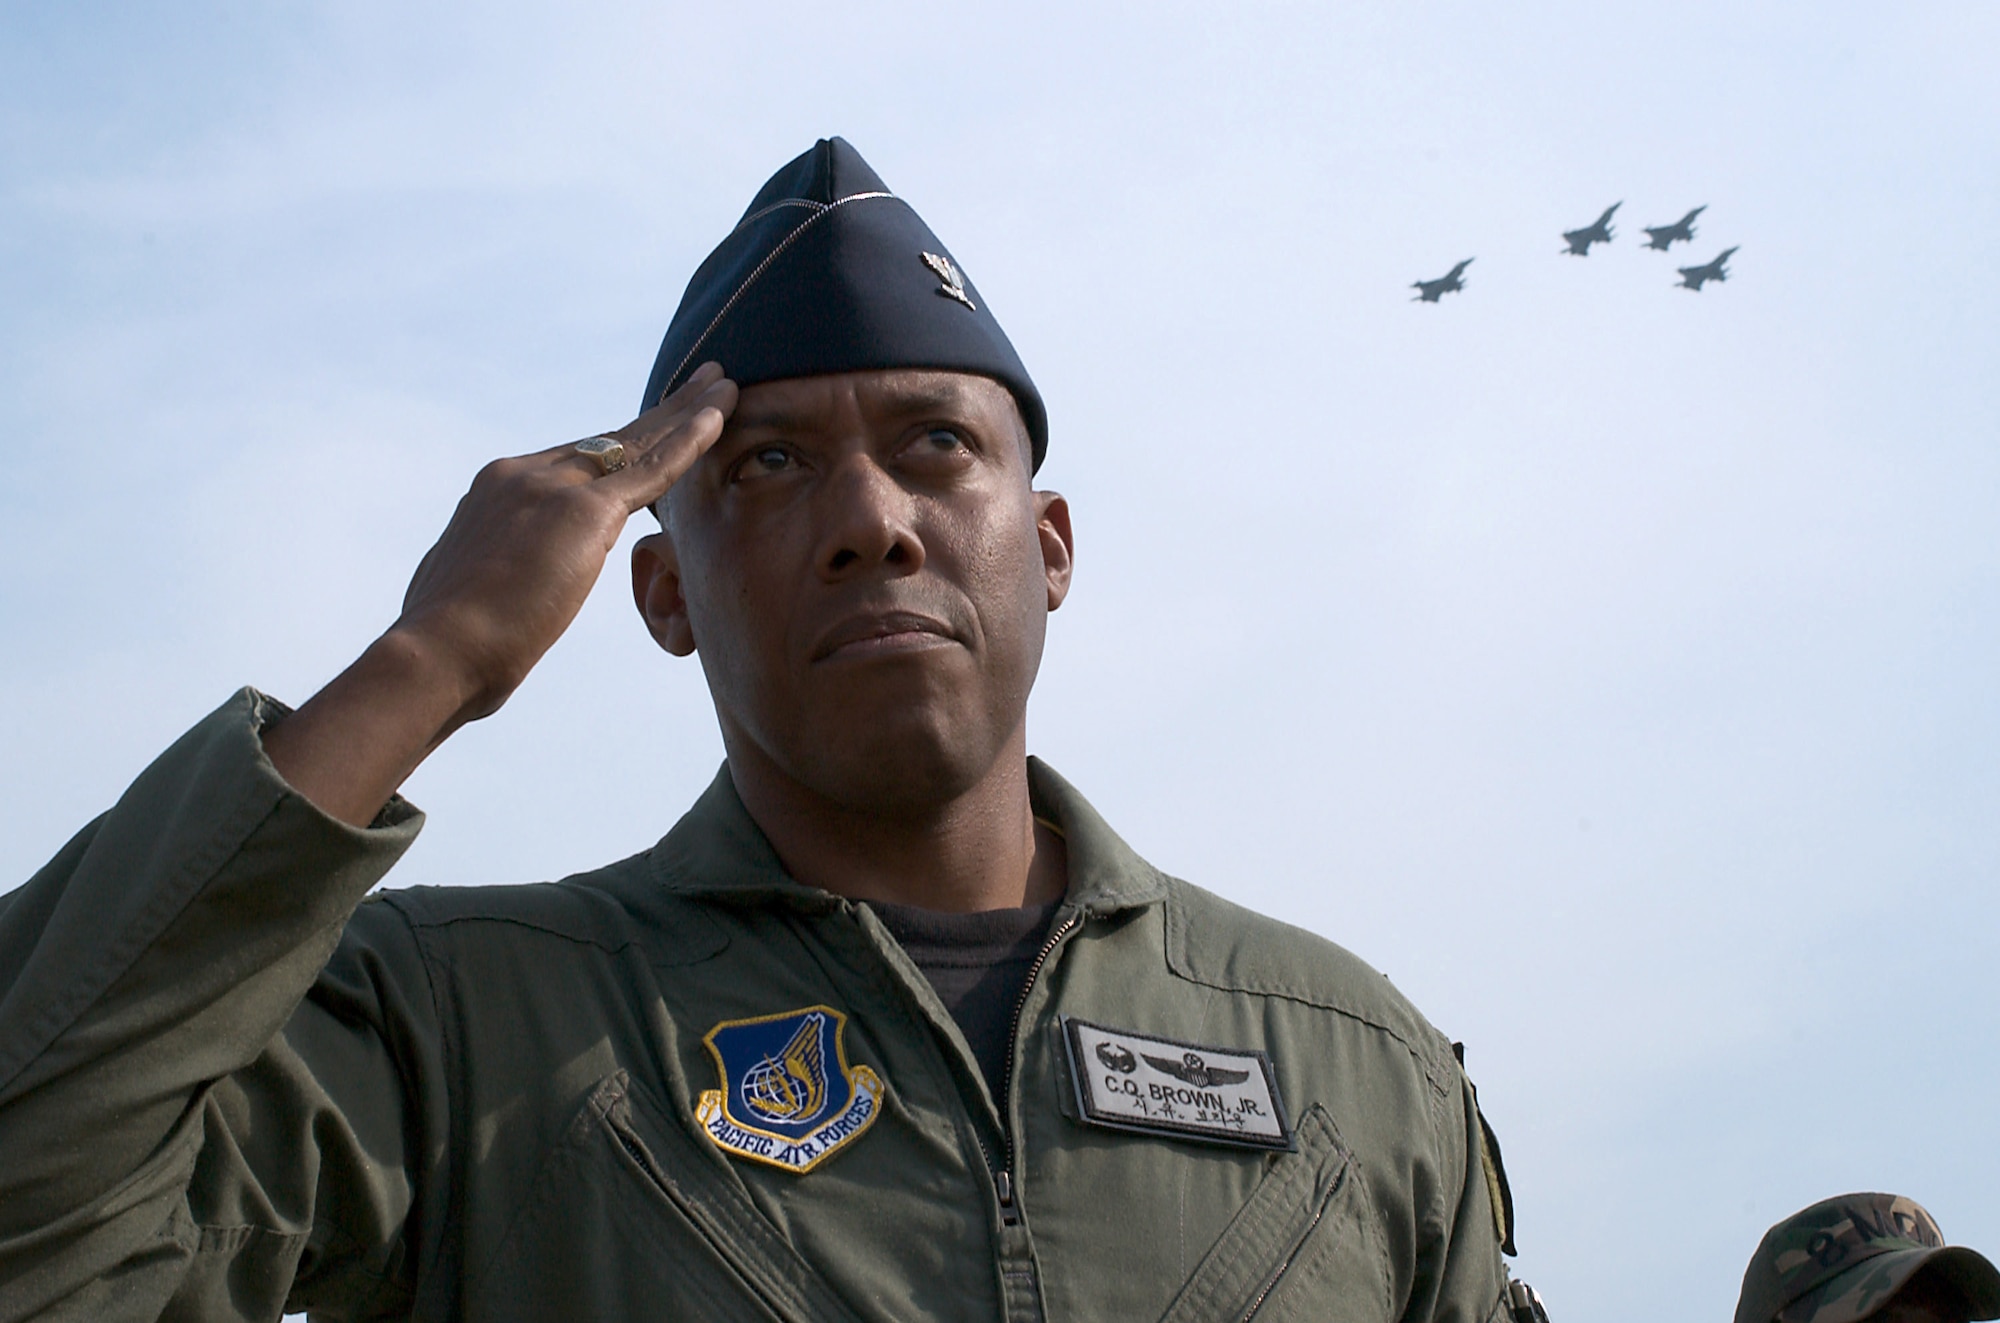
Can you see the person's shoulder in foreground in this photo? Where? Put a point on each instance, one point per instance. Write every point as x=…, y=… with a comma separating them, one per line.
x=1874, y=1257
x=890, y=1025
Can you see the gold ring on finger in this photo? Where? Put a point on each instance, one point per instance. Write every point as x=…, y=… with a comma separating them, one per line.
x=607, y=451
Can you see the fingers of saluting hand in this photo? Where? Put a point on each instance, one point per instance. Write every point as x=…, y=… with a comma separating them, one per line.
x=662, y=443
x=529, y=538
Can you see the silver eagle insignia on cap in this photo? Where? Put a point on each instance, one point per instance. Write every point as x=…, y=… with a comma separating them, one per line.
x=954, y=284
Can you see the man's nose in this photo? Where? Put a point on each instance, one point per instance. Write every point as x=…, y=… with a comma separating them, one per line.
x=869, y=523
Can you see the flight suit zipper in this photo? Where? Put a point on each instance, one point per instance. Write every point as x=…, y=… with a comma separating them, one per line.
x=1003, y=1174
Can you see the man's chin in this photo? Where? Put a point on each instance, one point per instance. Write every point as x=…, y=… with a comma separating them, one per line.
x=901, y=766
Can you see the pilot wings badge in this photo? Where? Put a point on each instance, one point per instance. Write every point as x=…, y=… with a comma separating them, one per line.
x=954, y=283
x=1192, y=1069
x=788, y=1096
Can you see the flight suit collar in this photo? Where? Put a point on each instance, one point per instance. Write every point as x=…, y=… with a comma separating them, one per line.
x=717, y=852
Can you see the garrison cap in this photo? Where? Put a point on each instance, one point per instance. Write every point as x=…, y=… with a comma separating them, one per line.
x=828, y=271
x=1844, y=1258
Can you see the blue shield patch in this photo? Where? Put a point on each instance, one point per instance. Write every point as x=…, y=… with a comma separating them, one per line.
x=788, y=1096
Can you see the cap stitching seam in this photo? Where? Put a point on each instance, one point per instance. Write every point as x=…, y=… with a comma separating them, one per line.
x=751, y=279
x=762, y=212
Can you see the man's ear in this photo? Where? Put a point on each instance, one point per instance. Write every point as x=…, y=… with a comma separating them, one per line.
x=1058, y=544
x=656, y=591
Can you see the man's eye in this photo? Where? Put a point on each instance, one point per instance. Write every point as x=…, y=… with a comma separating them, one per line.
x=943, y=441
x=765, y=459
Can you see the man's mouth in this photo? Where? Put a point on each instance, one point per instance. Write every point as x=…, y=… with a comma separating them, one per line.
x=882, y=634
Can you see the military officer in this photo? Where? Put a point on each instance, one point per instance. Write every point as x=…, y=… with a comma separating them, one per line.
x=890, y=1025
x=1873, y=1257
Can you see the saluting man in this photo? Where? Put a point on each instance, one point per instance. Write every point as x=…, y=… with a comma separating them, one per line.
x=891, y=1025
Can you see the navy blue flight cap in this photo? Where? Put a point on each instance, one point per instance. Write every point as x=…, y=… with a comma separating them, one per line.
x=828, y=271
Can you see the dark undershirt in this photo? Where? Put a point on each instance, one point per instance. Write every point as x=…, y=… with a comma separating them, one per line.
x=977, y=964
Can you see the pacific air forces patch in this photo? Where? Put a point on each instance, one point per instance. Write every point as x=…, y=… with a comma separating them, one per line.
x=788, y=1096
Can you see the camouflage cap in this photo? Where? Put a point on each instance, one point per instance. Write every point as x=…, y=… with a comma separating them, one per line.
x=1842, y=1259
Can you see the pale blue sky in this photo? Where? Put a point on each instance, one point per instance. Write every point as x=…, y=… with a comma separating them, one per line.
x=1611, y=665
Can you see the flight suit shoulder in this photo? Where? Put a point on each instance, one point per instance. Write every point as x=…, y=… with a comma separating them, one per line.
x=610, y=908
x=1219, y=944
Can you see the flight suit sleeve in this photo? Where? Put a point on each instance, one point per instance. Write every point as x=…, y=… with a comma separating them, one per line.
x=1462, y=1278
x=209, y=1098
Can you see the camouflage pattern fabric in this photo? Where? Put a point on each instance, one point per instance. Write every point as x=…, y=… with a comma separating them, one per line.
x=1842, y=1259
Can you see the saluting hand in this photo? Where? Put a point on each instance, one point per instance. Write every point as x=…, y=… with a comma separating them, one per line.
x=529, y=539
x=502, y=583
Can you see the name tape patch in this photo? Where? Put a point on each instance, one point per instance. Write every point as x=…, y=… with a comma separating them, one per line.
x=788, y=1096
x=1162, y=1086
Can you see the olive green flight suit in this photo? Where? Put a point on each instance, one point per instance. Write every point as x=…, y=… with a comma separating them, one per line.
x=231, y=1085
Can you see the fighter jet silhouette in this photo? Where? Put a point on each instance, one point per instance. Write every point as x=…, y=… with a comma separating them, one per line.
x=1430, y=291
x=1579, y=241
x=1664, y=237
x=1693, y=276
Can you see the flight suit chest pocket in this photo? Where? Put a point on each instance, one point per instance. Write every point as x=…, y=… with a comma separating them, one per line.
x=1303, y=1247
x=629, y=1220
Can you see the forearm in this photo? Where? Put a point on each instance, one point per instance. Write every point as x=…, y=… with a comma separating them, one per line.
x=353, y=744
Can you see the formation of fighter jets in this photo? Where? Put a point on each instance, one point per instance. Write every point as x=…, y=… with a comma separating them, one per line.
x=1577, y=243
